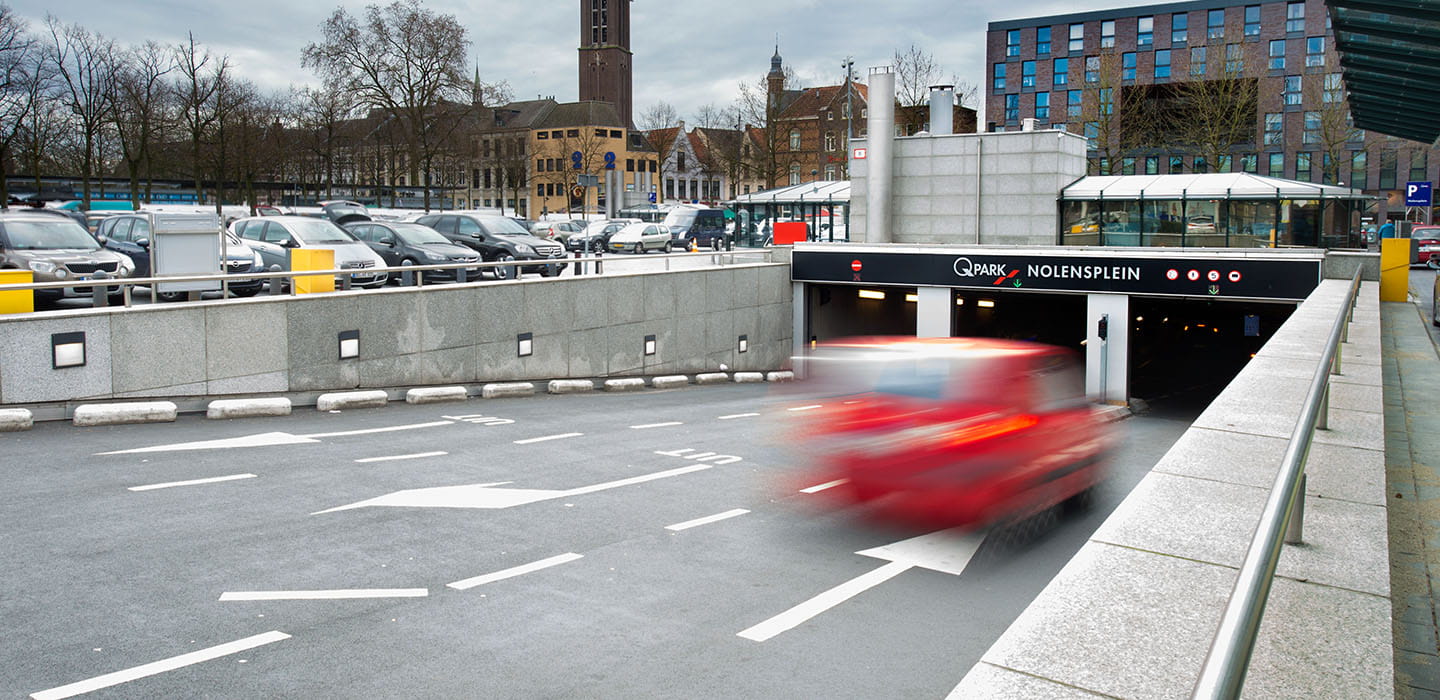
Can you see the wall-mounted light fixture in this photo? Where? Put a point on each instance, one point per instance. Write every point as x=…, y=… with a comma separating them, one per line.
x=985, y=304
x=649, y=345
x=912, y=298
x=524, y=345
x=871, y=294
x=67, y=349
x=349, y=345
x=960, y=301
x=744, y=343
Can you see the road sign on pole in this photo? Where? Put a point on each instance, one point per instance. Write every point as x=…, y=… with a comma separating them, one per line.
x=1417, y=194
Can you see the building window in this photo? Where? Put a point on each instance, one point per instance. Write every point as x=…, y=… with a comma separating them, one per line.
x=1042, y=41
x=1107, y=34
x=558, y=134
x=999, y=83
x=829, y=175
x=1277, y=54
x=1042, y=105
x=1061, y=71
x=1387, y=170
x=1179, y=24
x=1107, y=101
x=1334, y=89
x=1162, y=64
x=1274, y=129
x=1012, y=42
x=572, y=133
x=794, y=174
x=1077, y=38
x=1418, y=166
x=540, y=136
x=1292, y=89
x=1314, y=51
x=1295, y=17
x=1234, y=59
x=1092, y=69
x=794, y=139
x=1248, y=162
x=1012, y=108
x=1152, y=165
x=1200, y=165
x=488, y=178
x=1276, y=165
x=600, y=133
x=1197, y=60
x=1145, y=31
x=1312, y=128
x=1027, y=74
x=1302, y=166
x=1092, y=133
x=1177, y=165
x=540, y=190
x=1358, y=171
x=1127, y=65
x=1252, y=20
x=1127, y=166
x=1073, y=101
x=680, y=162
x=1216, y=25
x=829, y=140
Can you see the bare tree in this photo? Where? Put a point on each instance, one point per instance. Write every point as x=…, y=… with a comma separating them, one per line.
x=322, y=112
x=1212, y=116
x=139, y=113
x=84, y=66
x=22, y=77
x=200, y=77
x=768, y=158
x=1111, y=112
x=404, y=59
x=1330, y=124
x=661, y=125
x=512, y=169
x=710, y=116
x=916, y=71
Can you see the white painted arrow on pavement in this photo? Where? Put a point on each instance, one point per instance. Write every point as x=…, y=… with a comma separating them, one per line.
x=946, y=551
x=269, y=439
x=487, y=496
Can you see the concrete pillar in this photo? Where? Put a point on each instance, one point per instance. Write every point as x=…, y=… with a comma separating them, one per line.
x=934, y=313
x=799, y=310
x=1111, y=356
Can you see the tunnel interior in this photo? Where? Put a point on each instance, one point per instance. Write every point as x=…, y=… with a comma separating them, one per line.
x=839, y=311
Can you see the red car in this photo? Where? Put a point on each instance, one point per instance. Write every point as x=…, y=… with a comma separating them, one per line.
x=1426, y=240
x=952, y=431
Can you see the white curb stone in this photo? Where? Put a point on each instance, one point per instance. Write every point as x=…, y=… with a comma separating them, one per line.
x=780, y=377
x=436, y=394
x=351, y=399
x=670, y=381
x=16, y=419
x=122, y=413
x=712, y=378
x=630, y=384
x=570, y=386
x=502, y=390
x=748, y=377
x=247, y=408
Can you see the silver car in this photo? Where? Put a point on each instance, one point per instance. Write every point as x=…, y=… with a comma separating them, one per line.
x=57, y=249
x=273, y=237
x=638, y=238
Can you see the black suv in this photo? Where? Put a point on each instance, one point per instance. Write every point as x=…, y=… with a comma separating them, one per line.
x=499, y=239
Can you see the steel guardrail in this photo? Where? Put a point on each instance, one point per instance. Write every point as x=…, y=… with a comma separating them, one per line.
x=1223, y=673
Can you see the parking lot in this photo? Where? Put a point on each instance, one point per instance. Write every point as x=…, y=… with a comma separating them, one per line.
x=655, y=544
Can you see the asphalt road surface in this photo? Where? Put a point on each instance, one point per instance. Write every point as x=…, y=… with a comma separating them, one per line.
x=583, y=546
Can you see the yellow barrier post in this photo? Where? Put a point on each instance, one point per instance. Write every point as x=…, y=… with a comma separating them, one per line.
x=17, y=301
x=302, y=259
x=1394, y=269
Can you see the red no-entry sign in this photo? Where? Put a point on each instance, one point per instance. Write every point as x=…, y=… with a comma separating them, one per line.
x=855, y=265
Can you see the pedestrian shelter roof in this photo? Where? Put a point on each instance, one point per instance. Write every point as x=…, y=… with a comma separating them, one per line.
x=1200, y=186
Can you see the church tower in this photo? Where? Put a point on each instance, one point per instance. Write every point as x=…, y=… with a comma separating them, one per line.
x=605, y=54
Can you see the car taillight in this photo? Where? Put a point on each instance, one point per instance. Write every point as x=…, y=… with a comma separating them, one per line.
x=991, y=429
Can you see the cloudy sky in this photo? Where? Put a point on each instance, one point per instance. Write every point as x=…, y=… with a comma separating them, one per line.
x=687, y=52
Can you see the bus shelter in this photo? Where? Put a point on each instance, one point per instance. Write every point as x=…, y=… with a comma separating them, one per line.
x=1212, y=210
x=824, y=206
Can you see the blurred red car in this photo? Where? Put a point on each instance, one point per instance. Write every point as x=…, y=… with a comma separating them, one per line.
x=952, y=431
x=1426, y=240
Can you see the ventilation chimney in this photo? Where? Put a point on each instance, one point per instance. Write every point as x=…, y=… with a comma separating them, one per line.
x=1027, y=124
x=942, y=110
x=880, y=136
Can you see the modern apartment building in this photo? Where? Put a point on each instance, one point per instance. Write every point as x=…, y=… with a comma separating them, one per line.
x=1201, y=86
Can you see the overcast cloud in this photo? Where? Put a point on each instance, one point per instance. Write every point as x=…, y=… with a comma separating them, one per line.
x=687, y=52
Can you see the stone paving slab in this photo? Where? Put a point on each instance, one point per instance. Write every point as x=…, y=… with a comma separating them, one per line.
x=1333, y=471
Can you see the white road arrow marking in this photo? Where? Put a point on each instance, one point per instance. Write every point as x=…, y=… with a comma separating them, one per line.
x=158, y=667
x=946, y=551
x=261, y=440
x=488, y=497
x=192, y=482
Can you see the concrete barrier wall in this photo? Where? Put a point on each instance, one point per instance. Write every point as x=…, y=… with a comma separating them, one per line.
x=581, y=326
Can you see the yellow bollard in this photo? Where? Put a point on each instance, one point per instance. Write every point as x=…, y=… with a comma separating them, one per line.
x=18, y=301
x=1395, y=269
x=302, y=259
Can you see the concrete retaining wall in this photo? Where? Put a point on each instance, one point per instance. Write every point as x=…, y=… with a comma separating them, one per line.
x=582, y=327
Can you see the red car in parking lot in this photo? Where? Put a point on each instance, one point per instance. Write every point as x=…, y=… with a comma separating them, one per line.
x=951, y=431
x=1426, y=240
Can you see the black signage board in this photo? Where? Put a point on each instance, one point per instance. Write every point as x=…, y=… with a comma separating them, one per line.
x=1250, y=278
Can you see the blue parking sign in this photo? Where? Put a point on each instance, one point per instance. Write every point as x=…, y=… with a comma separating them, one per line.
x=1417, y=194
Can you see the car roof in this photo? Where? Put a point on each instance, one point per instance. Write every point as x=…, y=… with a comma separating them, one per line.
x=36, y=215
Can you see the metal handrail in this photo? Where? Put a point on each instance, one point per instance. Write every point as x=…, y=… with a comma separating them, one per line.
x=127, y=282
x=1223, y=674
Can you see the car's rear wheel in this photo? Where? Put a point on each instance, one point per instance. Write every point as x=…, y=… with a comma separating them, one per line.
x=506, y=272
x=669, y=246
x=639, y=247
x=168, y=296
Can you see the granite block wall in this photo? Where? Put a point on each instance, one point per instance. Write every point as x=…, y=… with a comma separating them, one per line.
x=582, y=327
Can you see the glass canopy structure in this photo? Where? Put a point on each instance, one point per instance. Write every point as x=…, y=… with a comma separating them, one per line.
x=1390, y=60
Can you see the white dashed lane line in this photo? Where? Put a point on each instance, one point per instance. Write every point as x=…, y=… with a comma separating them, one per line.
x=706, y=520
x=418, y=455
x=656, y=425
x=738, y=415
x=561, y=436
x=827, y=485
x=804, y=408
x=158, y=667
x=515, y=571
x=369, y=431
x=338, y=594
x=192, y=482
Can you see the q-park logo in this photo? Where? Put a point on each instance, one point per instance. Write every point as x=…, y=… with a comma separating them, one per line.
x=964, y=267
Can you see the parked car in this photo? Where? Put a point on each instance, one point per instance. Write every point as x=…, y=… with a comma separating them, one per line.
x=704, y=225
x=1426, y=240
x=404, y=244
x=952, y=431
x=638, y=238
x=557, y=230
x=57, y=249
x=596, y=236
x=273, y=237
x=129, y=235
x=499, y=238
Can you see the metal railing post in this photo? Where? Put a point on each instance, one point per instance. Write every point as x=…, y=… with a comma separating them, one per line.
x=98, y=297
x=1295, y=531
x=1322, y=420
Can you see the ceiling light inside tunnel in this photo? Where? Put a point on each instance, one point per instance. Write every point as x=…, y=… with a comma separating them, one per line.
x=912, y=298
x=960, y=301
x=985, y=304
x=1139, y=319
x=871, y=294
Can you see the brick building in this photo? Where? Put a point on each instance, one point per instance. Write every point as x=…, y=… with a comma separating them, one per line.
x=1271, y=64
